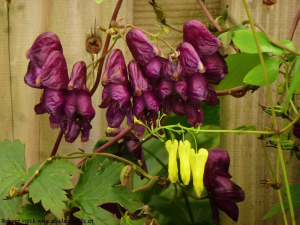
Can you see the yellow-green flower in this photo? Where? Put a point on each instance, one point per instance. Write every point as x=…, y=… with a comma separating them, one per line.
x=197, y=161
x=173, y=169
x=184, y=156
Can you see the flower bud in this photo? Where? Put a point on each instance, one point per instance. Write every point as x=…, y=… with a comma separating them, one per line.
x=160, y=14
x=197, y=161
x=279, y=111
x=184, y=156
x=172, y=169
x=125, y=174
x=78, y=76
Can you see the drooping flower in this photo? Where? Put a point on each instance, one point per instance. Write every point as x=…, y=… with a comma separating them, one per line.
x=223, y=193
x=184, y=156
x=196, y=33
x=152, y=70
x=172, y=168
x=78, y=77
x=194, y=114
x=296, y=133
x=140, y=46
x=197, y=161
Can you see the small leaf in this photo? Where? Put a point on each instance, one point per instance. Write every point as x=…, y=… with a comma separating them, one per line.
x=166, y=30
x=96, y=187
x=49, y=184
x=32, y=213
x=238, y=66
x=256, y=76
x=294, y=84
x=111, y=149
x=295, y=195
x=244, y=40
x=98, y=1
x=12, y=174
x=226, y=38
x=289, y=44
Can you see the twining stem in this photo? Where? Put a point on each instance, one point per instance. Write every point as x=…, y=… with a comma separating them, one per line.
x=268, y=160
x=273, y=113
x=290, y=124
x=152, y=181
x=171, y=26
x=188, y=206
x=294, y=25
x=209, y=16
x=281, y=205
x=58, y=140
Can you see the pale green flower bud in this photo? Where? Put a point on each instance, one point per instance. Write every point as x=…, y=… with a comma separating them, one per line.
x=173, y=169
x=184, y=156
x=197, y=161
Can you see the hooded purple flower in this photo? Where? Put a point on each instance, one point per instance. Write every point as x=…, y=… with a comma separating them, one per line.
x=196, y=33
x=152, y=70
x=52, y=102
x=296, y=133
x=223, y=193
x=78, y=77
x=140, y=46
x=115, y=95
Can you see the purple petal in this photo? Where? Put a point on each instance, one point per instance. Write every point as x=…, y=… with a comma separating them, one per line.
x=106, y=98
x=172, y=70
x=72, y=132
x=138, y=105
x=54, y=121
x=230, y=208
x=78, y=76
x=178, y=105
x=140, y=46
x=84, y=105
x=200, y=37
x=115, y=68
x=40, y=109
x=54, y=72
x=128, y=109
x=70, y=107
x=139, y=130
x=119, y=93
x=165, y=88
x=189, y=59
x=138, y=82
x=212, y=97
x=54, y=101
x=197, y=88
x=167, y=105
x=296, y=130
x=152, y=69
x=215, y=212
x=114, y=116
x=180, y=88
x=44, y=44
x=85, y=132
x=216, y=68
x=194, y=114
x=32, y=73
x=151, y=101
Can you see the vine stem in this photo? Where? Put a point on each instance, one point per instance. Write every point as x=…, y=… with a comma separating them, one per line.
x=208, y=15
x=101, y=63
x=273, y=113
x=294, y=25
x=282, y=208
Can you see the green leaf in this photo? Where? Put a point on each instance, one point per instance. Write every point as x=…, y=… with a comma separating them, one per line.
x=289, y=44
x=49, y=184
x=238, y=66
x=127, y=221
x=226, y=38
x=12, y=174
x=166, y=30
x=244, y=40
x=96, y=187
x=295, y=82
x=256, y=76
x=98, y=1
x=295, y=195
x=111, y=149
x=32, y=213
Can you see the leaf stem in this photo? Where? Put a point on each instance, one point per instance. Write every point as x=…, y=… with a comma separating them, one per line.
x=282, y=208
x=268, y=160
x=290, y=124
x=187, y=203
x=152, y=181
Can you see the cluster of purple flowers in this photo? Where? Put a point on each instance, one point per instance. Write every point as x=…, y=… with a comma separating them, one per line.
x=67, y=100
x=180, y=83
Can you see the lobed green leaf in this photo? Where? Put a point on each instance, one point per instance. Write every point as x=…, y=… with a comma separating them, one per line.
x=33, y=213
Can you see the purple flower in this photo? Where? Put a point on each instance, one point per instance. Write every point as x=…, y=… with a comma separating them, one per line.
x=43, y=45
x=194, y=114
x=223, y=193
x=216, y=68
x=197, y=88
x=152, y=70
x=296, y=130
x=140, y=46
x=189, y=59
x=196, y=33
x=172, y=70
x=78, y=113
x=52, y=102
x=78, y=77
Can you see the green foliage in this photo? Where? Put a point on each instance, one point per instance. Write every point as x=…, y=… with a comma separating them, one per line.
x=33, y=213
x=226, y=37
x=96, y=187
x=295, y=195
x=238, y=66
x=295, y=82
x=289, y=44
x=127, y=221
x=111, y=149
x=49, y=185
x=256, y=76
x=244, y=40
x=12, y=174
x=98, y=1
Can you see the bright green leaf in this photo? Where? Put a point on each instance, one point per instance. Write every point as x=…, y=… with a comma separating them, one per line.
x=32, y=213
x=226, y=38
x=49, y=184
x=166, y=30
x=238, y=66
x=256, y=76
x=98, y=1
x=289, y=44
x=111, y=149
x=96, y=187
x=12, y=174
x=244, y=40
x=295, y=195
x=295, y=82
x=127, y=221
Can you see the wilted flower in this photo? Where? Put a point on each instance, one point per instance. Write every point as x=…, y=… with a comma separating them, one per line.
x=152, y=70
x=173, y=169
x=197, y=88
x=194, y=114
x=78, y=77
x=196, y=33
x=296, y=133
x=140, y=46
x=223, y=193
